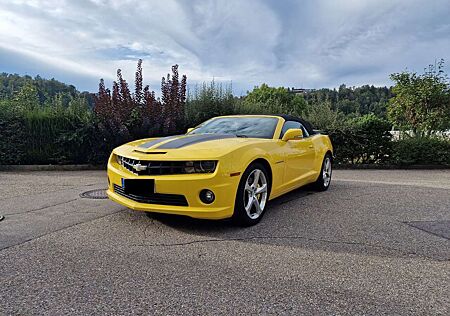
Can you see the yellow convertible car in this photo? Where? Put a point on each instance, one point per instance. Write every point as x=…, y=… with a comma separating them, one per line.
x=228, y=166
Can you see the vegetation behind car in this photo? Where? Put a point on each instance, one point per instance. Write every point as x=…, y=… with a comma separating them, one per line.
x=49, y=122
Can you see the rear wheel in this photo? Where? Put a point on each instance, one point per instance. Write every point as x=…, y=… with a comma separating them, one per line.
x=323, y=181
x=252, y=195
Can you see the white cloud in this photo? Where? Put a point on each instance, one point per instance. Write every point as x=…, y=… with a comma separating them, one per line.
x=291, y=43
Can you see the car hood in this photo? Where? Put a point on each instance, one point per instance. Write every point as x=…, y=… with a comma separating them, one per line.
x=194, y=146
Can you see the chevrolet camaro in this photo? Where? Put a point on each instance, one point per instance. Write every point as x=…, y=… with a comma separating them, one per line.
x=227, y=167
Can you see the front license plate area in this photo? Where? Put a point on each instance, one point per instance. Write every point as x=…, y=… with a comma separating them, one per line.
x=139, y=187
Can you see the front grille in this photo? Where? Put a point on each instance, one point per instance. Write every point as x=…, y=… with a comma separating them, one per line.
x=156, y=198
x=153, y=167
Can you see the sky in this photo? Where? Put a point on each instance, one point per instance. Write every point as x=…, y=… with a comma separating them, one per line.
x=302, y=44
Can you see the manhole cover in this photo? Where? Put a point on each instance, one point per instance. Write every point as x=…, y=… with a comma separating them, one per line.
x=95, y=194
x=438, y=228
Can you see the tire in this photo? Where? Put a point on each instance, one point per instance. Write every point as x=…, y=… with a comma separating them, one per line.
x=250, y=205
x=324, y=180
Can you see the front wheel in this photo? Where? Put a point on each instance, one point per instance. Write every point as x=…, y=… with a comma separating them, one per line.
x=252, y=195
x=323, y=181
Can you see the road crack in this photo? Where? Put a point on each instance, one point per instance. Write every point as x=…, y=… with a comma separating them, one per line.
x=40, y=208
x=351, y=243
x=58, y=230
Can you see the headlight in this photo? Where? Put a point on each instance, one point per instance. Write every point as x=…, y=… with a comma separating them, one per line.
x=204, y=166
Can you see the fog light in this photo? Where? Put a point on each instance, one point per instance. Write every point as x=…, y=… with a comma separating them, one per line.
x=207, y=196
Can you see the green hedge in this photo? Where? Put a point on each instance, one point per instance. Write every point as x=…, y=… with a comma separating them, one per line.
x=365, y=139
x=421, y=151
x=45, y=135
x=12, y=135
x=71, y=135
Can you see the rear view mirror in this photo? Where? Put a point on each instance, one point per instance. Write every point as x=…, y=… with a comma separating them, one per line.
x=292, y=133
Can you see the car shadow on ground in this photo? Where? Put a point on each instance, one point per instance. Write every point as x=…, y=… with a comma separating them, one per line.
x=284, y=224
x=227, y=226
x=299, y=219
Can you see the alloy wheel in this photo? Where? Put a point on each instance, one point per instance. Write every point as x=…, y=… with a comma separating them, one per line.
x=326, y=171
x=255, y=193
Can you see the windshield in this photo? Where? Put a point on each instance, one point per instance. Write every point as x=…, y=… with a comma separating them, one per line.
x=256, y=127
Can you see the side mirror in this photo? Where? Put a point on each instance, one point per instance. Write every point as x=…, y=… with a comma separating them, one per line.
x=190, y=129
x=292, y=133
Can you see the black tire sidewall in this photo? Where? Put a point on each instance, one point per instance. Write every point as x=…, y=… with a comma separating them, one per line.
x=320, y=183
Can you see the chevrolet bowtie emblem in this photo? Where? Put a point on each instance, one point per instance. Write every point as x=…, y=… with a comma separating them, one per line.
x=139, y=167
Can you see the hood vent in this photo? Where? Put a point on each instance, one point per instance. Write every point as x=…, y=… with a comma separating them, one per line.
x=151, y=152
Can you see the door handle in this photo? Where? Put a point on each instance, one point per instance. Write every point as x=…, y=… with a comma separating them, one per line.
x=310, y=146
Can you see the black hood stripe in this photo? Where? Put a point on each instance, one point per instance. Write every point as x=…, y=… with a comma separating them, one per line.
x=193, y=139
x=157, y=141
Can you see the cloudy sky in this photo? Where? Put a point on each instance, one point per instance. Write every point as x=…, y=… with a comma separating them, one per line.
x=308, y=44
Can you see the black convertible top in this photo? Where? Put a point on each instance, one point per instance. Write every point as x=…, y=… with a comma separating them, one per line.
x=306, y=124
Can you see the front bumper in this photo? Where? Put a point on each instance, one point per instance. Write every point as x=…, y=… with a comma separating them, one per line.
x=189, y=185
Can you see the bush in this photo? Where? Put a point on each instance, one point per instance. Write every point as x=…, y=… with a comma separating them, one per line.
x=323, y=117
x=207, y=101
x=46, y=134
x=13, y=136
x=421, y=151
x=365, y=139
x=422, y=101
x=373, y=138
x=57, y=135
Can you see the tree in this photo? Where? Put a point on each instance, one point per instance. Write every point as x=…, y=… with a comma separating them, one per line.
x=27, y=98
x=421, y=102
x=354, y=101
x=270, y=100
x=323, y=117
x=173, y=98
x=123, y=115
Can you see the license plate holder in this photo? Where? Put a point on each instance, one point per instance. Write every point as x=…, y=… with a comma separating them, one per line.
x=139, y=187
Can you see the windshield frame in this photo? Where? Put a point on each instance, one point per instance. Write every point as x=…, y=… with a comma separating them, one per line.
x=274, y=118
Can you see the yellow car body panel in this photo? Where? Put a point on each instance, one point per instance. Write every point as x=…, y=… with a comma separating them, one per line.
x=292, y=164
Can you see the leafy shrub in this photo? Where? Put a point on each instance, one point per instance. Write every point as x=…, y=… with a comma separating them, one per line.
x=421, y=102
x=323, y=117
x=373, y=138
x=207, y=101
x=365, y=139
x=122, y=116
x=421, y=151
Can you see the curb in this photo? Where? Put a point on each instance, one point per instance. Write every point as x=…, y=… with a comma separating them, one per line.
x=51, y=167
x=390, y=167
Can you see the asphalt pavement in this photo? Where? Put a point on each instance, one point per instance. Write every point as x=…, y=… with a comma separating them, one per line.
x=377, y=242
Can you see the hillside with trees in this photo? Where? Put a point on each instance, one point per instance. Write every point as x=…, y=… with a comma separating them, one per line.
x=353, y=100
x=46, y=89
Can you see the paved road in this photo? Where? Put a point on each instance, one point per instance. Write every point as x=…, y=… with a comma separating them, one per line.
x=376, y=242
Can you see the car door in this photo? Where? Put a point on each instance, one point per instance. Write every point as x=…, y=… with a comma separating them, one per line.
x=299, y=156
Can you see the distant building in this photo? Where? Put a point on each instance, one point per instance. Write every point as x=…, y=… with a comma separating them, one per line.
x=299, y=90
